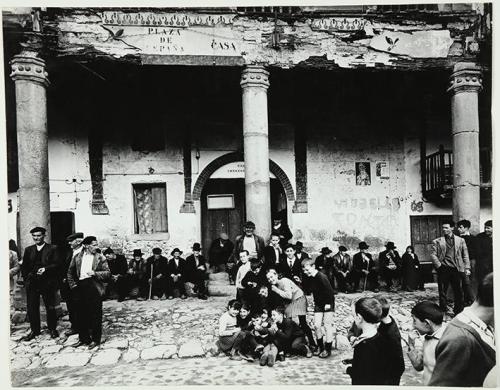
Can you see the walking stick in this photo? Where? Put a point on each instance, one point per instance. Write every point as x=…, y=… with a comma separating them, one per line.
x=366, y=276
x=151, y=283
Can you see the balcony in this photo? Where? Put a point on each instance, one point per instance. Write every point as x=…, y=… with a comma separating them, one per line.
x=437, y=178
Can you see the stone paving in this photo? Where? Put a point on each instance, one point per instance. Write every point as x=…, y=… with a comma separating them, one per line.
x=172, y=342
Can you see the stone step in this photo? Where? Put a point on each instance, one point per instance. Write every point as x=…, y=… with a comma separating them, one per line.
x=221, y=290
x=218, y=282
x=219, y=276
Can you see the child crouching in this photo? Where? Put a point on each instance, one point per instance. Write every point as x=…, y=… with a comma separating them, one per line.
x=230, y=335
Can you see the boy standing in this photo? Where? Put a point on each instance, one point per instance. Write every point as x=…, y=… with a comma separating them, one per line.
x=388, y=329
x=428, y=321
x=242, y=271
x=369, y=363
x=324, y=306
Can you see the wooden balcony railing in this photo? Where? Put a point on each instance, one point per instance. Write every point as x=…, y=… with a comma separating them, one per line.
x=437, y=180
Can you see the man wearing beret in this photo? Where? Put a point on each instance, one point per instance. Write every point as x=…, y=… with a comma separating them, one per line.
x=86, y=276
x=40, y=270
x=118, y=268
x=75, y=246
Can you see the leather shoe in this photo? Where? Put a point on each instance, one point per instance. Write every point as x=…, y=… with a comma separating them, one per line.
x=54, y=334
x=93, y=344
x=30, y=336
x=79, y=344
x=70, y=332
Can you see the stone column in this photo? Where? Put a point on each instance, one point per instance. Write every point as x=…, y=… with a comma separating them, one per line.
x=255, y=82
x=465, y=84
x=28, y=73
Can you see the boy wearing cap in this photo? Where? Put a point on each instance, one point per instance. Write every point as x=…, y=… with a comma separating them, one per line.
x=138, y=276
x=251, y=283
x=390, y=264
x=119, y=277
x=40, y=270
x=75, y=246
x=196, y=271
x=342, y=265
x=176, y=274
x=156, y=274
x=86, y=276
x=364, y=267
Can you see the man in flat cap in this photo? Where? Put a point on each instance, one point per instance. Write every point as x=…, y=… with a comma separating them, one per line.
x=75, y=246
x=86, y=276
x=118, y=268
x=40, y=270
x=250, y=242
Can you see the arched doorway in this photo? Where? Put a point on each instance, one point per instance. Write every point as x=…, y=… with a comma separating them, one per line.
x=220, y=188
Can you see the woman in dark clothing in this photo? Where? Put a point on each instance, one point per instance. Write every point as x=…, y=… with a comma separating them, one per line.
x=412, y=271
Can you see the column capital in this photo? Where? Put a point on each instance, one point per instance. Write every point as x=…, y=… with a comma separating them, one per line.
x=28, y=67
x=255, y=76
x=466, y=77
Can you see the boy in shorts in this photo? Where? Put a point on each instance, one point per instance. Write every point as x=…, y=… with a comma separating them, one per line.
x=324, y=306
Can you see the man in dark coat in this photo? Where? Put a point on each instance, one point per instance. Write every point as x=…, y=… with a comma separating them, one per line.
x=281, y=229
x=118, y=268
x=364, y=267
x=484, y=261
x=86, y=276
x=324, y=264
x=390, y=264
x=156, y=273
x=75, y=246
x=176, y=274
x=138, y=277
x=299, y=251
x=342, y=266
x=463, y=228
x=196, y=271
x=219, y=253
x=40, y=270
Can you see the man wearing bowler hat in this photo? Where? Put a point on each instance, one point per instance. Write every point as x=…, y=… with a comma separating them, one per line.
x=196, y=271
x=390, y=264
x=324, y=264
x=363, y=268
x=156, y=273
x=75, y=246
x=138, y=277
x=40, y=270
x=342, y=266
x=176, y=274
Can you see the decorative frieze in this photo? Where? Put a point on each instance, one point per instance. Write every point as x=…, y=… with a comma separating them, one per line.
x=161, y=19
x=466, y=77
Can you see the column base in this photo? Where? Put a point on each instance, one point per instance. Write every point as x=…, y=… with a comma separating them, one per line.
x=300, y=206
x=99, y=208
x=187, y=208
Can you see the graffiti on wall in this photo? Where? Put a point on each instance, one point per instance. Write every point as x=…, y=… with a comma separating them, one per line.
x=379, y=203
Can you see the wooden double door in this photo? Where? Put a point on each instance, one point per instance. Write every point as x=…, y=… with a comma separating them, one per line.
x=218, y=215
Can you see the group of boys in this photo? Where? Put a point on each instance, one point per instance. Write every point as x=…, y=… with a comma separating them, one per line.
x=157, y=277
x=460, y=353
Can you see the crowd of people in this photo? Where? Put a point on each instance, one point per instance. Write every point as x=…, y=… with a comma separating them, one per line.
x=267, y=318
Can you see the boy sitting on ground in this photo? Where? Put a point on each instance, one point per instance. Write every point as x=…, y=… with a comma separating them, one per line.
x=230, y=335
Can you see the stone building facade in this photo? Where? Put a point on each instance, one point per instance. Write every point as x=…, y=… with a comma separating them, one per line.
x=164, y=127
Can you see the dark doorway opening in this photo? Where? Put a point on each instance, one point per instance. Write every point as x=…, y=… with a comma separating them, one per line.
x=62, y=224
x=223, y=208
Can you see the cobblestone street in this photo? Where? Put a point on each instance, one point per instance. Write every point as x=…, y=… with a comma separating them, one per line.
x=172, y=342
